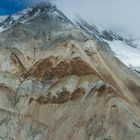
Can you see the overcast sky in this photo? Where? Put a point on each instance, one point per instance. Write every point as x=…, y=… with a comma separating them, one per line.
x=116, y=14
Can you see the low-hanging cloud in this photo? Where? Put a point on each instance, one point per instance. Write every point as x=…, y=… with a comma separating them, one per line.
x=114, y=14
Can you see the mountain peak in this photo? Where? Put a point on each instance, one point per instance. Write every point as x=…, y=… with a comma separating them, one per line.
x=39, y=11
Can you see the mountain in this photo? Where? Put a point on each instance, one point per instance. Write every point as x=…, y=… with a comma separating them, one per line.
x=31, y=14
x=61, y=81
x=125, y=49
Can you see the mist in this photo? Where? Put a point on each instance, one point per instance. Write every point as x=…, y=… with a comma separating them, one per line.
x=120, y=15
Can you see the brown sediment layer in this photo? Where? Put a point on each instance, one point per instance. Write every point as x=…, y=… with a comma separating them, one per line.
x=75, y=66
x=65, y=96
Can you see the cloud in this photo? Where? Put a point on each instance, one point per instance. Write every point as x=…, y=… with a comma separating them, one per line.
x=116, y=14
x=32, y=2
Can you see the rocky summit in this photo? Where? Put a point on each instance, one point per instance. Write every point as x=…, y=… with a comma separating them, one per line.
x=59, y=82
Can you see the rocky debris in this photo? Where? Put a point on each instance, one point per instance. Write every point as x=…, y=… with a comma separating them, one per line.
x=11, y=126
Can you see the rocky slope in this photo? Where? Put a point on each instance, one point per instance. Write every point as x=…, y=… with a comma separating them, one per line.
x=125, y=48
x=57, y=82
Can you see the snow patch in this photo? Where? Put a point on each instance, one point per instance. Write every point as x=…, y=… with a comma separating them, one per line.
x=128, y=55
x=2, y=18
x=137, y=44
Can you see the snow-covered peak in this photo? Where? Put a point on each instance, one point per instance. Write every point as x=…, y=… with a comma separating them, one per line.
x=26, y=15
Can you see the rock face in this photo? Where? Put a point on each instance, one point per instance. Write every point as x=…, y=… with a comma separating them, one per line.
x=58, y=82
